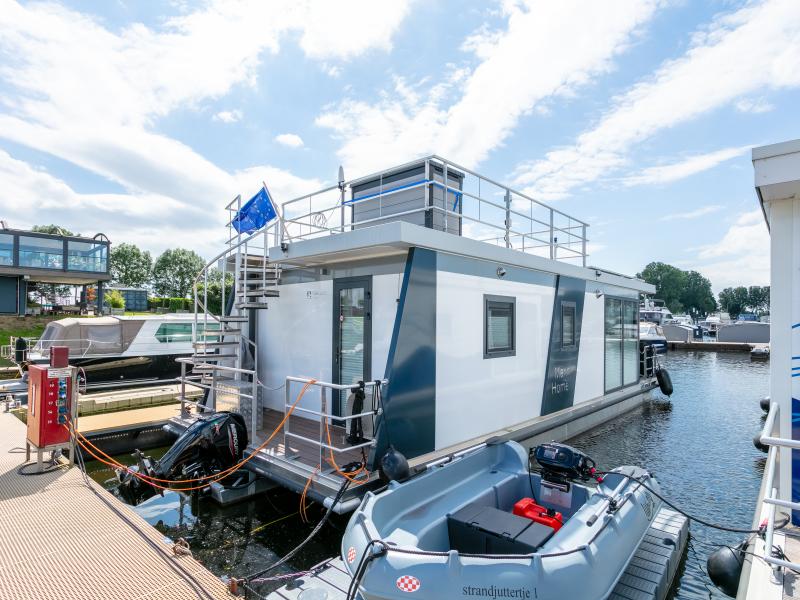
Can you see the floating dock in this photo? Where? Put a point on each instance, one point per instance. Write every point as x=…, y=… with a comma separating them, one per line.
x=715, y=346
x=649, y=575
x=62, y=537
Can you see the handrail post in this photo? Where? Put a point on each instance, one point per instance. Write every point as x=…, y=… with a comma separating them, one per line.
x=183, y=390
x=324, y=410
x=583, y=229
x=445, y=202
x=254, y=406
x=552, y=253
x=508, y=218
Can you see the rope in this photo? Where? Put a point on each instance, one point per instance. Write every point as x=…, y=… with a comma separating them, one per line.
x=207, y=479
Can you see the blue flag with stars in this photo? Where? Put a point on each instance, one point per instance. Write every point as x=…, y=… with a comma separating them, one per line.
x=256, y=213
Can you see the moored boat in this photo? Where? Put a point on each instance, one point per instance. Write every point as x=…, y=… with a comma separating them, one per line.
x=485, y=520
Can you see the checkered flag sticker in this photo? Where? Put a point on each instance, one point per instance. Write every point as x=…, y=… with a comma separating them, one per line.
x=407, y=583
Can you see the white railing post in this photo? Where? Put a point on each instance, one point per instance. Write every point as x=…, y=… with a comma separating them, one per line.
x=552, y=234
x=508, y=218
x=254, y=406
x=324, y=410
x=183, y=390
x=583, y=229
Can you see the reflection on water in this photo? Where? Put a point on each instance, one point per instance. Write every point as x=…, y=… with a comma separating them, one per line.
x=699, y=446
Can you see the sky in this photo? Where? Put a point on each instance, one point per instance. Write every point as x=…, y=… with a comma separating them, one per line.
x=143, y=119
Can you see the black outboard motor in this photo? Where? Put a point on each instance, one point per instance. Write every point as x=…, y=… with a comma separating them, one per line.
x=210, y=445
x=561, y=463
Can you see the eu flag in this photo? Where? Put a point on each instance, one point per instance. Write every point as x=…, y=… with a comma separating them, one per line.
x=257, y=212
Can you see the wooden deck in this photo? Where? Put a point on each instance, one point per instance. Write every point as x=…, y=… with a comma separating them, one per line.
x=64, y=538
x=301, y=451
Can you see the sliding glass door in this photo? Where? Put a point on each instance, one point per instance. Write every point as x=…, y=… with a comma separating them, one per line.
x=621, y=343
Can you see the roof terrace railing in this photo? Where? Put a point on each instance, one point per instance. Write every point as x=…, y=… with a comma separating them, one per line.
x=469, y=204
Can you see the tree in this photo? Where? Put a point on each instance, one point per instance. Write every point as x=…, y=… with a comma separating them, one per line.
x=758, y=299
x=670, y=283
x=115, y=299
x=53, y=230
x=214, y=295
x=697, y=297
x=130, y=266
x=174, y=272
x=734, y=301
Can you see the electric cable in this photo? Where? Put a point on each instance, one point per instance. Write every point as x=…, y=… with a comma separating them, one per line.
x=684, y=513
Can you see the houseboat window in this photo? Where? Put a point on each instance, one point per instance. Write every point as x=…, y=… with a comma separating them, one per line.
x=174, y=332
x=621, y=343
x=87, y=256
x=6, y=249
x=567, y=324
x=498, y=326
x=40, y=252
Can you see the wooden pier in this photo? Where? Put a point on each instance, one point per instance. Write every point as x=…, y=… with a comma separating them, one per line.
x=63, y=537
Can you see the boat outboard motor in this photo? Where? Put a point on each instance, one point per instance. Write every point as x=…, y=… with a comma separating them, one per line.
x=561, y=463
x=210, y=445
x=724, y=567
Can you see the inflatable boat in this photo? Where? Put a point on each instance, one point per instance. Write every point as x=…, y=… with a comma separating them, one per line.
x=485, y=526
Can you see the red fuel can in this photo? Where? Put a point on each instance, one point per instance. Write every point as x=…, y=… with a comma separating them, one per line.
x=528, y=508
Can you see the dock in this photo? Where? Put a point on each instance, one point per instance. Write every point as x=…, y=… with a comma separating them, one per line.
x=63, y=536
x=715, y=346
x=649, y=575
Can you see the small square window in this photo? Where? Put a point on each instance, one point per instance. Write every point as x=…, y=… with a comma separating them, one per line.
x=567, y=324
x=499, y=337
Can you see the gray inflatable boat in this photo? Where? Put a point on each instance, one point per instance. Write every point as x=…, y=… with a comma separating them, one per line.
x=483, y=526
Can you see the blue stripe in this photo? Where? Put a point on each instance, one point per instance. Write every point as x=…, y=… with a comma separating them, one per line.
x=795, y=368
x=795, y=374
x=796, y=325
x=796, y=358
x=405, y=187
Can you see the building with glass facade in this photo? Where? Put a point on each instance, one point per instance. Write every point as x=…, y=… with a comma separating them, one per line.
x=27, y=257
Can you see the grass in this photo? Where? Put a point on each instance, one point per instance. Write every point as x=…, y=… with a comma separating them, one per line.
x=20, y=327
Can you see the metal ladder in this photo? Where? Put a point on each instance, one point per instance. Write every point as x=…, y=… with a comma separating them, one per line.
x=225, y=350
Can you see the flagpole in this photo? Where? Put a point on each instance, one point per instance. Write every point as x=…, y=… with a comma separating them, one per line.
x=277, y=210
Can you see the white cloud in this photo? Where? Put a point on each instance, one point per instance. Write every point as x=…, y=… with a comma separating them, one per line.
x=292, y=140
x=754, y=105
x=680, y=170
x=93, y=96
x=751, y=50
x=741, y=257
x=692, y=214
x=471, y=112
x=228, y=116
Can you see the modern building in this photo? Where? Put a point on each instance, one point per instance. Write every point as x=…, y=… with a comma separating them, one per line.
x=28, y=257
x=135, y=298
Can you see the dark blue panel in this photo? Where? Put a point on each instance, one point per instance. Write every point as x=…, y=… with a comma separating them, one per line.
x=409, y=421
x=562, y=359
x=8, y=295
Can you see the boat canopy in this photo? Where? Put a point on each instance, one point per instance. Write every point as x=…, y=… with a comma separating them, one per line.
x=102, y=335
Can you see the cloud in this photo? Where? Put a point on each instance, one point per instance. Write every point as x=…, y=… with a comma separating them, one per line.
x=754, y=105
x=228, y=116
x=472, y=111
x=685, y=168
x=93, y=96
x=741, y=257
x=692, y=214
x=754, y=49
x=292, y=140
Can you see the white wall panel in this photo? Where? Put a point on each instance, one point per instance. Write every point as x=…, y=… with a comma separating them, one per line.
x=590, y=377
x=385, y=292
x=474, y=395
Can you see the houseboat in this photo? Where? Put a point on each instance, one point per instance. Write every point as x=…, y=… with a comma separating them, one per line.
x=421, y=309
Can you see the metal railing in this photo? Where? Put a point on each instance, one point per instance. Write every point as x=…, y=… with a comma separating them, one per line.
x=325, y=415
x=771, y=499
x=478, y=208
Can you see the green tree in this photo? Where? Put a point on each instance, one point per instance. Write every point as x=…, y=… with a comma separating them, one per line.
x=53, y=230
x=758, y=299
x=114, y=299
x=734, y=301
x=131, y=266
x=670, y=283
x=697, y=297
x=214, y=297
x=174, y=272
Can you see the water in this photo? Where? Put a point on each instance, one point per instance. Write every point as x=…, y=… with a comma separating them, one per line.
x=699, y=446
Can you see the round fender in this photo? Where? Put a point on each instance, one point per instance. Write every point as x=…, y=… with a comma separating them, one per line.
x=664, y=381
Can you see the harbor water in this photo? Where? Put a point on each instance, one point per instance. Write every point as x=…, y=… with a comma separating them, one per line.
x=698, y=444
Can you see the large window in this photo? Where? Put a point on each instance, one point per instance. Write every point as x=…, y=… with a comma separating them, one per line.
x=567, y=324
x=87, y=256
x=174, y=332
x=498, y=326
x=41, y=253
x=621, y=343
x=6, y=249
